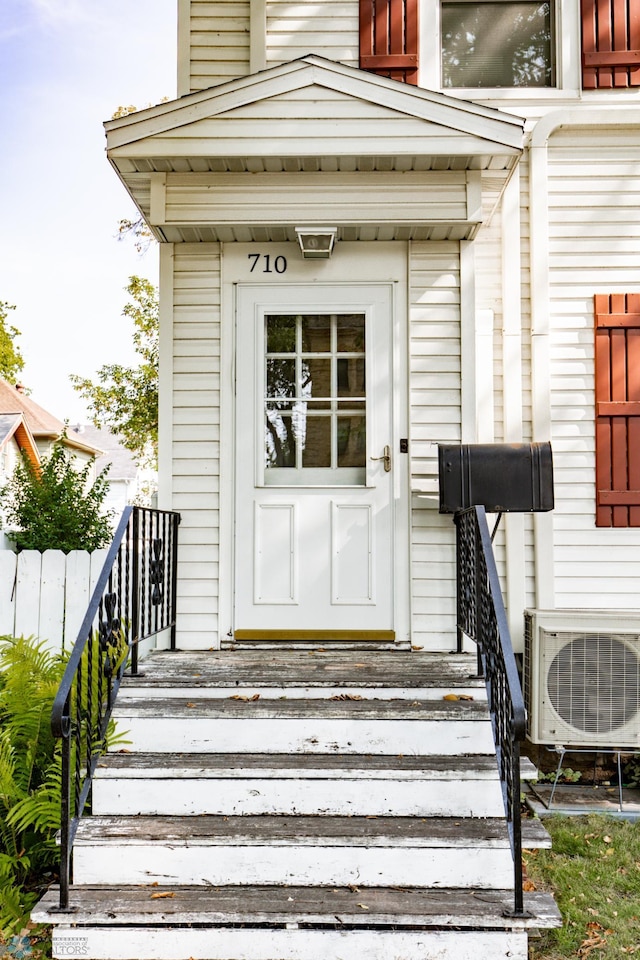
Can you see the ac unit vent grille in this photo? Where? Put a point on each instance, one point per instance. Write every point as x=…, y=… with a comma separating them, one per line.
x=593, y=681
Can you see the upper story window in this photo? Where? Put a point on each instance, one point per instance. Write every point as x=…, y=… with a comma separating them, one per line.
x=508, y=44
x=497, y=43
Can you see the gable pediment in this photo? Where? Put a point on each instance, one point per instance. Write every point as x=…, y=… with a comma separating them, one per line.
x=332, y=126
x=309, y=100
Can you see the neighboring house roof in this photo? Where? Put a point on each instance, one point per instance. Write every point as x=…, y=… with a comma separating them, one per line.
x=42, y=424
x=14, y=426
x=122, y=464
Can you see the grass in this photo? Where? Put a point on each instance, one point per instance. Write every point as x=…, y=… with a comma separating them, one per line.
x=594, y=872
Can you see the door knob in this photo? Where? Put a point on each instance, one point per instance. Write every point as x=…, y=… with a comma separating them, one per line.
x=386, y=458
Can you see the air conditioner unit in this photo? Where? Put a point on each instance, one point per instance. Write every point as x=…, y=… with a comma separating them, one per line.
x=582, y=678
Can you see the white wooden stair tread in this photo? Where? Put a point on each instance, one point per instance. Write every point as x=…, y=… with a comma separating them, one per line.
x=266, y=830
x=263, y=709
x=406, y=906
x=305, y=766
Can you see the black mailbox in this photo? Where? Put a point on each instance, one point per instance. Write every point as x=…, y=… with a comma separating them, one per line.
x=502, y=477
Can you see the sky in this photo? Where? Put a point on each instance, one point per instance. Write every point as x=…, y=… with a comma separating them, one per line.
x=65, y=67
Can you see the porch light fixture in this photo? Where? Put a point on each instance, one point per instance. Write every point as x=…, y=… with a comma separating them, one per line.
x=316, y=243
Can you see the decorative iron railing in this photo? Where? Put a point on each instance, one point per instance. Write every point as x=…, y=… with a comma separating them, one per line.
x=134, y=599
x=481, y=616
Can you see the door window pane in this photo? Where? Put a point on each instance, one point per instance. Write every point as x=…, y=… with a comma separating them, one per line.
x=351, y=377
x=281, y=378
x=315, y=399
x=499, y=43
x=281, y=334
x=316, y=334
x=316, y=378
x=352, y=441
x=317, y=442
x=351, y=333
x=280, y=436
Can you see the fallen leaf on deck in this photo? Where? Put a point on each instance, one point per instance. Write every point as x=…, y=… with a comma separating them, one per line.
x=363, y=906
x=417, y=648
x=464, y=696
x=451, y=696
x=162, y=896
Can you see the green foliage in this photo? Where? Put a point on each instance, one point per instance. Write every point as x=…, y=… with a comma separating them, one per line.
x=631, y=772
x=11, y=361
x=54, y=506
x=30, y=763
x=564, y=775
x=29, y=776
x=125, y=399
x=593, y=870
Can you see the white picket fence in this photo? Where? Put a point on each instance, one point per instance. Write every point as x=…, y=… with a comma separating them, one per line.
x=46, y=595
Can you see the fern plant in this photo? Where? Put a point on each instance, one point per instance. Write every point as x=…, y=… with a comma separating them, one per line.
x=29, y=775
x=30, y=763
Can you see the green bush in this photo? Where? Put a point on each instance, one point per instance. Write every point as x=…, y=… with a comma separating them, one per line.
x=54, y=507
x=29, y=776
x=30, y=764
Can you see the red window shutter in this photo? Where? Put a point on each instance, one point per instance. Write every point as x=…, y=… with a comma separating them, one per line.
x=610, y=43
x=389, y=38
x=617, y=357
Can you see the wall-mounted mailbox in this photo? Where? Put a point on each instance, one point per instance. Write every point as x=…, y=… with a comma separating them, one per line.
x=502, y=477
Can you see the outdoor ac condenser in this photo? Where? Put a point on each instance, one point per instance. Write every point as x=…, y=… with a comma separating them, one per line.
x=582, y=678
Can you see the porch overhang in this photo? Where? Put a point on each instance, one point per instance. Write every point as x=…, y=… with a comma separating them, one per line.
x=310, y=140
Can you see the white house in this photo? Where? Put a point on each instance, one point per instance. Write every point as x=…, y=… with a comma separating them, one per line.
x=480, y=170
x=384, y=225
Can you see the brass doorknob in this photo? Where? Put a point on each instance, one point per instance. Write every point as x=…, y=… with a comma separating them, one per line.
x=386, y=458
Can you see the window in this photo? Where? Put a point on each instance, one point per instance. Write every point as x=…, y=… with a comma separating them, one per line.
x=617, y=394
x=498, y=43
x=315, y=399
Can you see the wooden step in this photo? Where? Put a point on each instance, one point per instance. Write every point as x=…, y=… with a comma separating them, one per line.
x=288, y=943
x=409, y=727
x=260, y=923
x=315, y=906
x=296, y=674
x=372, y=851
x=309, y=784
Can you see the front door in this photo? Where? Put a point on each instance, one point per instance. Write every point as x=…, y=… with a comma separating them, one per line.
x=314, y=462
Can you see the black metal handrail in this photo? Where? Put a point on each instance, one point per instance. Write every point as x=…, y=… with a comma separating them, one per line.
x=134, y=599
x=482, y=617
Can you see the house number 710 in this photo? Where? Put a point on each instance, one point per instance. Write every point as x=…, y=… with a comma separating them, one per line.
x=279, y=263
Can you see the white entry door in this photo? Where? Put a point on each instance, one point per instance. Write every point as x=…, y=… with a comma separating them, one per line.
x=314, y=462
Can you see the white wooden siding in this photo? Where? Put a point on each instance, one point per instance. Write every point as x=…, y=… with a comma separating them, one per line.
x=594, y=218
x=217, y=36
x=195, y=438
x=328, y=29
x=218, y=42
x=435, y=397
x=308, y=197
